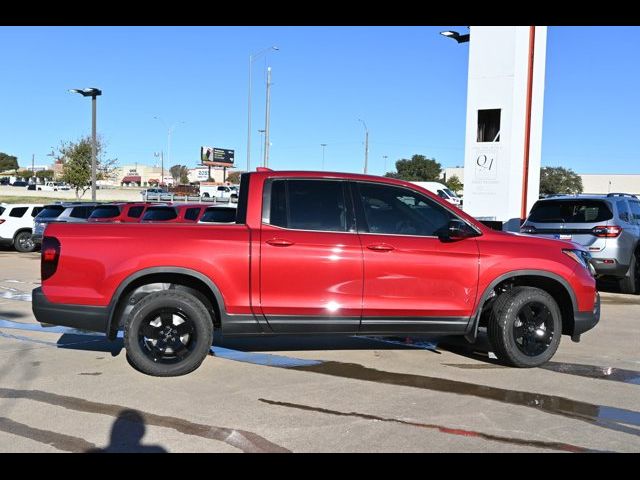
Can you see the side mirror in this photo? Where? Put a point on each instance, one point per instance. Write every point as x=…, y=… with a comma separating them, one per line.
x=457, y=230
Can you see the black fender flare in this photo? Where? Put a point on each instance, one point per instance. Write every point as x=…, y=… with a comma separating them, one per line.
x=116, y=297
x=472, y=330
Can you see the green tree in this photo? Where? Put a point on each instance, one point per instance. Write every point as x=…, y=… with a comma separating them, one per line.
x=559, y=180
x=184, y=174
x=234, y=177
x=454, y=184
x=24, y=174
x=44, y=174
x=175, y=172
x=418, y=169
x=8, y=162
x=77, y=164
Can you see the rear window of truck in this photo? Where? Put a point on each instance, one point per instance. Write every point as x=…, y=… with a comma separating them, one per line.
x=570, y=211
x=223, y=215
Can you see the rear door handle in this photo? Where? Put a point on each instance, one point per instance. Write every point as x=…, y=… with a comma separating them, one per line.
x=380, y=247
x=279, y=242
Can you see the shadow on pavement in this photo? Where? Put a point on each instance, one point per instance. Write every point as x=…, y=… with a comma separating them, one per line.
x=126, y=436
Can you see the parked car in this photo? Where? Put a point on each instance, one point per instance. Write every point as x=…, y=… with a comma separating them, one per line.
x=295, y=263
x=63, y=212
x=53, y=187
x=19, y=183
x=219, y=214
x=154, y=193
x=442, y=191
x=16, y=225
x=608, y=226
x=176, y=213
x=119, y=212
x=220, y=192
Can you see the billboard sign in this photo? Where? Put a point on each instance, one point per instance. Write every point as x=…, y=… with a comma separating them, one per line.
x=217, y=157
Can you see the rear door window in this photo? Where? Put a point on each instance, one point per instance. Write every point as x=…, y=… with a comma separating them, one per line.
x=635, y=210
x=222, y=215
x=35, y=211
x=106, y=211
x=18, y=212
x=623, y=211
x=81, y=212
x=160, y=214
x=570, y=211
x=51, y=211
x=309, y=205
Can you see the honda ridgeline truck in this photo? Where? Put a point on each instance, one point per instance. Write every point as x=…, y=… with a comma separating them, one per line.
x=313, y=253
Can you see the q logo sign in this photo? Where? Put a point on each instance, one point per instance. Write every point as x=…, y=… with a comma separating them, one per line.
x=486, y=166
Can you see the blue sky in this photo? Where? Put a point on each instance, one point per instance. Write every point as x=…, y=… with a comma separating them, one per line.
x=407, y=83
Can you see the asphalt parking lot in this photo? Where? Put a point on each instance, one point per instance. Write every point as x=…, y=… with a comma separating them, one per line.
x=67, y=391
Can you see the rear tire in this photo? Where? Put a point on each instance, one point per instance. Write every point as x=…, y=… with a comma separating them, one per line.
x=631, y=281
x=168, y=333
x=23, y=242
x=525, y=327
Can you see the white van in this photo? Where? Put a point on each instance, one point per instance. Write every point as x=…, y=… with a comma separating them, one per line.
x=441, y=190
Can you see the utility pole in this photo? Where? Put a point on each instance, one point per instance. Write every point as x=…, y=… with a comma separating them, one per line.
x=366, y=145
x=266, y=128
x=161, y=155
x=33, y=168
x=261, y=132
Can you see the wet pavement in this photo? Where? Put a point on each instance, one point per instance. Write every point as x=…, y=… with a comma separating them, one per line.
x=65, y=389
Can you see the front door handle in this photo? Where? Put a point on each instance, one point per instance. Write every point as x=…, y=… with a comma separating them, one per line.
x=279, y=242
x=380, y=247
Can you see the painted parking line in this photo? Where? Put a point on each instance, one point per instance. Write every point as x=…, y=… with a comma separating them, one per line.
x=36, y=327
x=14, y=295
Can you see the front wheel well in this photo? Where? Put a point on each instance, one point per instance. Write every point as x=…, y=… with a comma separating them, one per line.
x=553, y=287
x=142, y=286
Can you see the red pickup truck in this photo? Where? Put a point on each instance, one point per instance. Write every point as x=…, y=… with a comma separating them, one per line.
x=315, y=252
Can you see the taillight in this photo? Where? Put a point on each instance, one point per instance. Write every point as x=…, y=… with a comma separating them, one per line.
x=606, y=231
x=50, y=257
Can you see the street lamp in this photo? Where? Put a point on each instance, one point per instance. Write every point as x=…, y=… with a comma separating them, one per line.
x=251, y=59
x=161, y=155
x=93, y=93
x=366, y=145
x=169, y=132
x=323, y=145
x=456, y=36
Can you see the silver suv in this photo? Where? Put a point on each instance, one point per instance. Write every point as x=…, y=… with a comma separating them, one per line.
x=72, y=212
x=607, y=225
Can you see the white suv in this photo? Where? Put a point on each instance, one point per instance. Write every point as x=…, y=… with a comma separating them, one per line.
x=16, y=223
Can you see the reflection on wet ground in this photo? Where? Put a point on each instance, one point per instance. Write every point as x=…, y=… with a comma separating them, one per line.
x=619, y=419
x=563, y=447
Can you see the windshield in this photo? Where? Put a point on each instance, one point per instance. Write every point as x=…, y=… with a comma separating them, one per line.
x=51, y=211
x=570, y=211
x=107, y=211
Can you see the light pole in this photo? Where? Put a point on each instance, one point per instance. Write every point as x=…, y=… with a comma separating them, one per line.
x=251, y=59
x=366, y=145
x=261, y=132
x=323, y=145
x=93, y=93
x=161, y=155
x=169, y=132
x=267, y=119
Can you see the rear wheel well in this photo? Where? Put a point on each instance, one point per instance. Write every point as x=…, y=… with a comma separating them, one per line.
x=549, y=285
x=26, y=229
x=154, y=282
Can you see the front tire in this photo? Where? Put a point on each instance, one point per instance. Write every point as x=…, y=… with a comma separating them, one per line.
x=631, y=281
x=23, y=242
x=168, y=333
x=525, y=327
